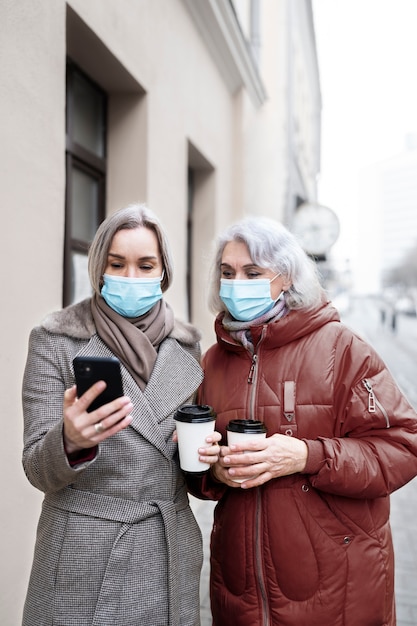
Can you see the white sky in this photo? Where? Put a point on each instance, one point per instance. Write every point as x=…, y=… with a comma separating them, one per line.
x=367, y=51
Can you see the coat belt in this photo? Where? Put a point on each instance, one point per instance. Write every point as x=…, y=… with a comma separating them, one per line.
x=127, y=512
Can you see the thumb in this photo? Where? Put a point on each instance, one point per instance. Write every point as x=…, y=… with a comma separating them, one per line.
x=70, y=396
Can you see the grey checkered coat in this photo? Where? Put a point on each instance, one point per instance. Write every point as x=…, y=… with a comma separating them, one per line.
x=117, y=543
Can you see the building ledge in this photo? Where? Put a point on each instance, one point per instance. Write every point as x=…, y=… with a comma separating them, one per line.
x=221, y=32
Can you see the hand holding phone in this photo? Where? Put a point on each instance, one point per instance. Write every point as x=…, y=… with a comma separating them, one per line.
x=89, y=370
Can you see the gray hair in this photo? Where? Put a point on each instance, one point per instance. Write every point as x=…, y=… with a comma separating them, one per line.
x=133, y=216
x=271, y=246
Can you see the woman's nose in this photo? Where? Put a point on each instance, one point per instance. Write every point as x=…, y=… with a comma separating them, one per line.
x=131, y=272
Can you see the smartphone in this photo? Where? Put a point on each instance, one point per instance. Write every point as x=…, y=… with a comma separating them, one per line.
x=90, y=369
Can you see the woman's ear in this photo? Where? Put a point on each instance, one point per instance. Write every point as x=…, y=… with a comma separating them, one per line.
x=286, y=284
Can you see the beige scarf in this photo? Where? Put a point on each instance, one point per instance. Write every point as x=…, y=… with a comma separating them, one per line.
x=135, y=341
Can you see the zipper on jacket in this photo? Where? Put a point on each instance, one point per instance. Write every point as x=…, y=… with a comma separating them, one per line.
x=253, y=380
x=373, y=401
x=252, y=369
x=259, y=569
x=253, y=377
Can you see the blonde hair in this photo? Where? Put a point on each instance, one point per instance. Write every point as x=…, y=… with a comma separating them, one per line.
x=133, y=216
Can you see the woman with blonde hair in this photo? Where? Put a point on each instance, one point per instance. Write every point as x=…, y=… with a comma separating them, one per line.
x=117, y=542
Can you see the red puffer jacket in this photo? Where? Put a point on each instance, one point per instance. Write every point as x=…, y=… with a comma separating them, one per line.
x=311, y=549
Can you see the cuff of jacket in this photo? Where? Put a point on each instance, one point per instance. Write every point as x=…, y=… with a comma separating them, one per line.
x=316, y=456
x=81, y=456
x=205, y=487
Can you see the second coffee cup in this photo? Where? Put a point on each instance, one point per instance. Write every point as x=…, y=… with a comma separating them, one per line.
x=194, y=422
x=239, y=431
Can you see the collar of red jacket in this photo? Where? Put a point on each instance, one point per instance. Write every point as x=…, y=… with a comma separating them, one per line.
x=296, y=324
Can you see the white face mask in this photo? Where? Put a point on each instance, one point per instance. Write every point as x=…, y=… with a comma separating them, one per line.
x=247, y=299
x=131, y=297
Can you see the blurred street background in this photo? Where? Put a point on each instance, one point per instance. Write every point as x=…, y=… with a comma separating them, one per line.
x=398, y=348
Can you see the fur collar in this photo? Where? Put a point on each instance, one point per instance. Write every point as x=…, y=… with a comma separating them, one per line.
x=76, y=321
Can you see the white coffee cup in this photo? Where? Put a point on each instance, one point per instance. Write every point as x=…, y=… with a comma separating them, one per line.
x=194, y=422
x=240, y=431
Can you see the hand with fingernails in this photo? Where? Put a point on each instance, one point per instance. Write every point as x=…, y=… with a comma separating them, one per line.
x=86, y=430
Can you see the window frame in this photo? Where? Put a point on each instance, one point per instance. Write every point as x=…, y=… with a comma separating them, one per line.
x=78, y=157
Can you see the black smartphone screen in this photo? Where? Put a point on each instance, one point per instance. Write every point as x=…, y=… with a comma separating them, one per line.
x=90, y=369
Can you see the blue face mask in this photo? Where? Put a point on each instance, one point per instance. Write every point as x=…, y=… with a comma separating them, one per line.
x=247, y=299
x=131, y=297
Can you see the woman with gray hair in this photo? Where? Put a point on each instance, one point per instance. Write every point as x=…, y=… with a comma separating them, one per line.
x=117, y=542
x=301, y=530
x=270, y=245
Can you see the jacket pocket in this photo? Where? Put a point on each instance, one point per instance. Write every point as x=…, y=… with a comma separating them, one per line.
x=308, y=543
x=370, y=405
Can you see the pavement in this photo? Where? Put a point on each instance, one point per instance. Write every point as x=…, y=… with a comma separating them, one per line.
x=203, y=511
x=403, y=522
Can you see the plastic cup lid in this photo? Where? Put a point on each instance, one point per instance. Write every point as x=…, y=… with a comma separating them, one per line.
x=246, y=426
x=195, y=413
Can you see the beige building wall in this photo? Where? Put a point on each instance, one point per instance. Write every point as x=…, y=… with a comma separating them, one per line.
x=184, y=92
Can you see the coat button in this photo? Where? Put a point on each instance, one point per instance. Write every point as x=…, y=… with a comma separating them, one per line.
x=305, y=487
x=288, y=432
x=346, y=540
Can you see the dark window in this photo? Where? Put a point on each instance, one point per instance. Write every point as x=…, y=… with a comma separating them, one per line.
x=86, y=178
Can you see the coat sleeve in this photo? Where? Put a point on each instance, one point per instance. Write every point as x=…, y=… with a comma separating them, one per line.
x=205, y=487
x=45, y=379
x=375, y=450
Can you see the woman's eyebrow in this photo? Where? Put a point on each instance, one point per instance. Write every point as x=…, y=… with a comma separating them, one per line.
x=245, y=267
x=116, y=256
x=252, y=266
x=141, y=258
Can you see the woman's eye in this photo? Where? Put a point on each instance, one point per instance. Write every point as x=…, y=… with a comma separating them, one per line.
x=115, y=265
x=253, y=274
x=227, y=274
